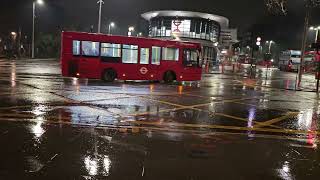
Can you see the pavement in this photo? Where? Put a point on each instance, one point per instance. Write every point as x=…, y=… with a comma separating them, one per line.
x=227, y=126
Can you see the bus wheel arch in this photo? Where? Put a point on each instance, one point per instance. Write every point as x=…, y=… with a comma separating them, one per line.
x=109, y=75
x=169, y=76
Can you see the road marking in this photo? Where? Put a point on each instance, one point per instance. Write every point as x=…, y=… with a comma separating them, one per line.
x=154, y=112
x=237, y=118
x=2, y=115
x=164, y=102
x=165, y=126
x=194, y=132
x=278, y=119
x=287, y=131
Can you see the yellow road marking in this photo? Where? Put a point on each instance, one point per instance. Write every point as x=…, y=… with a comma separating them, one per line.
x=167, y=125
x=32, y=116
x=278, y=119
x=197, y=132
x=155, y=112
x=164, y=102
x=33, y=105
x=237, y=118
x=190, y=107
x=287, y=131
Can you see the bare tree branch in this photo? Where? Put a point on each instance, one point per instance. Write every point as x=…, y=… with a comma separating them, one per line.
x=279, y=7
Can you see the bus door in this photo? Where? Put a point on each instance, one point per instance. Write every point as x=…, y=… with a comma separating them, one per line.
x=90, y=59
x=154, y=65
x=144, y=67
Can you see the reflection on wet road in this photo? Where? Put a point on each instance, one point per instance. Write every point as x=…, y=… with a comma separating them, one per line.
x=224, y=127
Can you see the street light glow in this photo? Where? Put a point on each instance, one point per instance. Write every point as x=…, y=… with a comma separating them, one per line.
x=40, y=2
x=131, y=28
x=13, y=33
x=311, y=28
x=112, y=24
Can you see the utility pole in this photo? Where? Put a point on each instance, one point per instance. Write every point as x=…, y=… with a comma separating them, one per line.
x=304, y=42
x=40, y=2
x=270, y=44
x=100, y=2
x=19, y=42
x=33, y=22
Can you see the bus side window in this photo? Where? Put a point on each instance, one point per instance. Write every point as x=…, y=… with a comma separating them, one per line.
x=144, y=55
x=156, y=55
x=76, y=48
x=90, y=48
x=110, y=52
x=170, y=54
x=130, y=54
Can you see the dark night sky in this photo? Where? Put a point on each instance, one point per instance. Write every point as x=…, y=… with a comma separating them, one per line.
x=81, y=14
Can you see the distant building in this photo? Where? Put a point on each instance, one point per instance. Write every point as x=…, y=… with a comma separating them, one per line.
x=191, y=26
x=228, y=37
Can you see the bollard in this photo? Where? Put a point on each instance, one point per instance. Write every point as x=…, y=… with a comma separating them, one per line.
x=222, y=68
x=233, y=68
x=207, y=67
x=295, y=84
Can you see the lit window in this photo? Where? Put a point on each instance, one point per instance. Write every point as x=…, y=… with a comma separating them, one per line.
x=130, y=54
x=110, y=50
x=76, y=47
x=156, y=55
x=191, y=57
x=144, y=56
x=170, y=54
x=90, y=48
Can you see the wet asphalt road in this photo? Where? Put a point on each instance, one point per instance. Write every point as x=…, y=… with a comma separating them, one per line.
x=224, y=127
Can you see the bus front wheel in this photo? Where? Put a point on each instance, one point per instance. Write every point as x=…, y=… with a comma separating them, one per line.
x=109, y=75
x=169, y=77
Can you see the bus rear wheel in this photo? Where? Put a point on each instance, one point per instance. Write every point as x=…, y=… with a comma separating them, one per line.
x=169, y=77
x=109, y=75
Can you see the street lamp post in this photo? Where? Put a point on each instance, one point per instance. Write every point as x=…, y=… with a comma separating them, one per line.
x=40, y=2
x=100, y=2
x=111, y=25
x=270, y=44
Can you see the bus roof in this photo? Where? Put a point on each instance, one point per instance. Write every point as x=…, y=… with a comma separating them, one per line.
x=125, y=39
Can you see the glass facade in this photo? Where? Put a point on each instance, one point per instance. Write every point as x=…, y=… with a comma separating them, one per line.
x=195, y=28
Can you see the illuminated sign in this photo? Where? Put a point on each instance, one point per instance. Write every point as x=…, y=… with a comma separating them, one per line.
x=180, y=26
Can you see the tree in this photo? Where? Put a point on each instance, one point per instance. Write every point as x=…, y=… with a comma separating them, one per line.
x=48, y=45
x=277, y=6
x=280, y=7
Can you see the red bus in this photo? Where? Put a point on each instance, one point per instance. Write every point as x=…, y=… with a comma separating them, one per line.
x=311, y=58
x=107, y=57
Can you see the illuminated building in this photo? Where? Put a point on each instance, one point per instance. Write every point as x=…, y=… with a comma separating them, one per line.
x=189, y=26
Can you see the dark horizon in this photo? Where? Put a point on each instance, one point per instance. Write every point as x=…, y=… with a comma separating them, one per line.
x=80, y=15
